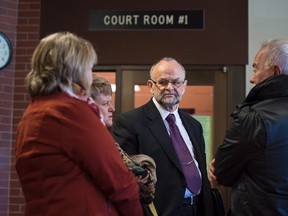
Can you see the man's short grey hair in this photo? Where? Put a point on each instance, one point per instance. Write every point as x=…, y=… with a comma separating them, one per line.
x=167, y=59
x=277, y=53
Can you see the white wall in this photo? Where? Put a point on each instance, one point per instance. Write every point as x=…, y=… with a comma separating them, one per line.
x=268, y=19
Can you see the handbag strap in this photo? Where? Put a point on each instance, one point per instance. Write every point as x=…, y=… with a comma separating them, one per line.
x=153, y=209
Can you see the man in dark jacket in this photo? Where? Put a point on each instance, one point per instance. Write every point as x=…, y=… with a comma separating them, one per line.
x=254, y=156
x=145, y=130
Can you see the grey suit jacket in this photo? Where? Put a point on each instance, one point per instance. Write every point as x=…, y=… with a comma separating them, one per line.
x=142, y=130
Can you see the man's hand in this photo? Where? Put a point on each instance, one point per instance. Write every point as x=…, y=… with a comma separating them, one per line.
x=211, y=176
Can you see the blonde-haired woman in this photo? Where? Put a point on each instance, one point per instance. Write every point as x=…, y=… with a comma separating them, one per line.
x=65, y=166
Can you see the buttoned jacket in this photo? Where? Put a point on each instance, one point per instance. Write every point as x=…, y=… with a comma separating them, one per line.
x=142, y=130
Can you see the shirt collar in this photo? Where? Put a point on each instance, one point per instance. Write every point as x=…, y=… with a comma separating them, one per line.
x=164, y=113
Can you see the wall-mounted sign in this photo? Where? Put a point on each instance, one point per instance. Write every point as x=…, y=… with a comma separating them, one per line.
x=136, y=20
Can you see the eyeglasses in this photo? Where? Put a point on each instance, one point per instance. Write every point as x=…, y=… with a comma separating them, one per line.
x=163, y=83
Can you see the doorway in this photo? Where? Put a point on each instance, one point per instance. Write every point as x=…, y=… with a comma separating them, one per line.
x=211, y=95
x=205, y=97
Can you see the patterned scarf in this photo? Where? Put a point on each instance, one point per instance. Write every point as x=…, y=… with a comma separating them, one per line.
x=144, y=168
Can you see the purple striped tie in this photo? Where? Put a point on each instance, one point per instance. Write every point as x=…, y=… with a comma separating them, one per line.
x=188, y=165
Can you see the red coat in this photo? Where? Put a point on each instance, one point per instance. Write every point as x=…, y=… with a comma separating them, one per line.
x=68, y=164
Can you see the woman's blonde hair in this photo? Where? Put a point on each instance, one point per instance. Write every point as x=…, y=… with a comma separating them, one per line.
x=100, y=86
x=59, y=60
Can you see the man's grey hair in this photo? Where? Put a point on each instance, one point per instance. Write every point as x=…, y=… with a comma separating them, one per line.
x=277, y=54
x=168, y=59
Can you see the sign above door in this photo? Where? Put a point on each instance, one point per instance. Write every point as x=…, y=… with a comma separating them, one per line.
x=135, y=20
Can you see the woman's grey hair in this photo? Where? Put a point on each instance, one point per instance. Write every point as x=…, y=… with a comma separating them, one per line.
x=276, y=54
x=167, y=59
x=59, y=60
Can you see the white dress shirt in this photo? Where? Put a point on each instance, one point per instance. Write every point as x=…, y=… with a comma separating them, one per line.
x=164, y=113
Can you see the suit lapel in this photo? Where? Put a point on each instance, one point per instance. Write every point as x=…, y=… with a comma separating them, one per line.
x=159, y=131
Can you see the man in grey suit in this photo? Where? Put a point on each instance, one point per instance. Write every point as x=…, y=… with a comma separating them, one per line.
x=144, y=130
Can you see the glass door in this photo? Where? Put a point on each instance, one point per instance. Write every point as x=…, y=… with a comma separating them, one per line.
x=211, y=95
x=204, y=99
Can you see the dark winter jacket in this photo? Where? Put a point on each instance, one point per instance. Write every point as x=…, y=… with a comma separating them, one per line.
x=253, y=159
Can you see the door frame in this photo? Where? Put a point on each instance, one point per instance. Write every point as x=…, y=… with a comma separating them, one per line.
x=229, y=90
